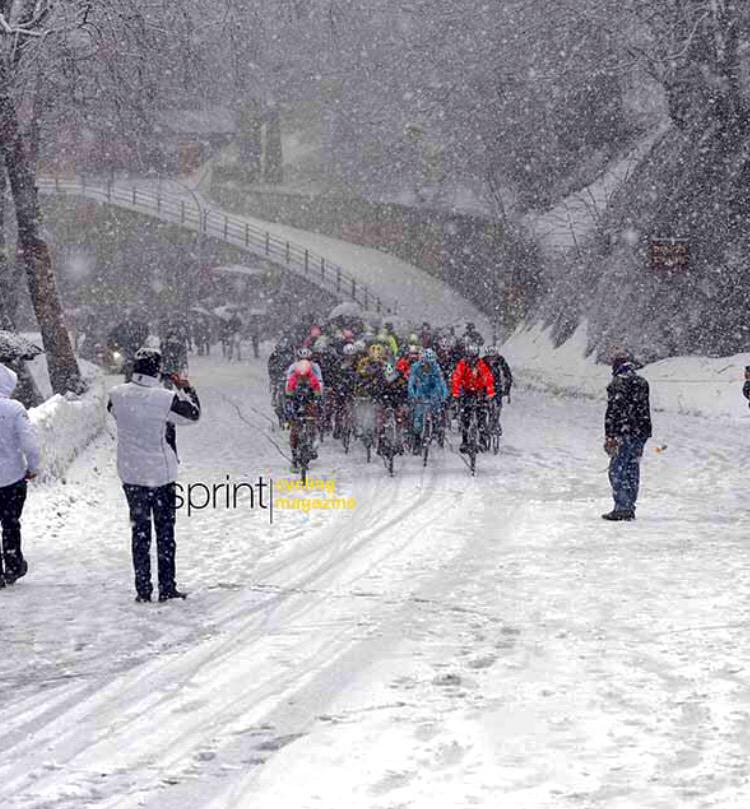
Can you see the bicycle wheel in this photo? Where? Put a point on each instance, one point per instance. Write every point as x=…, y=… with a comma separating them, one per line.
x=426, y=437
x=473, y=444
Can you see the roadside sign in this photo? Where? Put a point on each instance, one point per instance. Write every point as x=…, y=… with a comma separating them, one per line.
x=670, y=254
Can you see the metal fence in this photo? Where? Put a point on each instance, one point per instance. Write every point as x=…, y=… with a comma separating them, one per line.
x=236, y=232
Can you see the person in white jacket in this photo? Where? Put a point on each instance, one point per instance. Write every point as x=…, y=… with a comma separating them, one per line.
x=146, y=414
x=19, y=463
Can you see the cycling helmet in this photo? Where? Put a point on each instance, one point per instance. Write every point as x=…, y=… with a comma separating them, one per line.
x=321, y=344
x=391, y=374
x=349, y=350
x=429, y=355
x=491, y=351
x=444, y=343
x=360, y=346
x=303, y=368
x=413, y=339
x=471, y=350
x=147, y=361
x=304, y=353
x=414, y=350
x=376, y=352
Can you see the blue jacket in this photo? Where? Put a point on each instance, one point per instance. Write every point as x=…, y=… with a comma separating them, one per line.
x=426, y=382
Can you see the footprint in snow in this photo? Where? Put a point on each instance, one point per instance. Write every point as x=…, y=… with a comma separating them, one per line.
x=483, y=662
x=447, y=680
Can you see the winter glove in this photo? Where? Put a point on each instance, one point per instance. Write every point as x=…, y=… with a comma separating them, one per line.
x=612, y=446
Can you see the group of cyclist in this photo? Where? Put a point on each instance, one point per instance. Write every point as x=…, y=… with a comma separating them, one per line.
x=345, y=378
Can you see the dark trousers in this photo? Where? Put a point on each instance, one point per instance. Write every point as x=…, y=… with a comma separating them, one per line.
x=625, y=473
x=160, y=504
x=12, y=499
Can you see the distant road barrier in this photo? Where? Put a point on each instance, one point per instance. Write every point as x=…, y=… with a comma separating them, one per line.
x=231, y=230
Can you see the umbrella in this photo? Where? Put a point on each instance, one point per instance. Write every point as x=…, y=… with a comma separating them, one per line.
x=401, y=325
x=13, y=347
x=346, y=309
x=199, y=310
x=226, y=311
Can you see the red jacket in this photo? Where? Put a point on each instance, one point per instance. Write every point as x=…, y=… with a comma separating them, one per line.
x=403, y=366
x=293, y=384
x=466, y=379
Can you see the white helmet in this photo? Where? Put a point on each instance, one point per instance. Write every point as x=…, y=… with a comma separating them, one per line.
x=349, y=350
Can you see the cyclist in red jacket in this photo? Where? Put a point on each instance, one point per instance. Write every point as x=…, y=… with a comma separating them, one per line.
x=472, y=386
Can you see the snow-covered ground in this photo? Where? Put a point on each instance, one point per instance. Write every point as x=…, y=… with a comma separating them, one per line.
x=451, y=642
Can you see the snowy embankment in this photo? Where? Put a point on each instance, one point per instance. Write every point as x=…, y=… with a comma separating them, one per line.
x=698, y=386
x=66, y=425
x=562, y=228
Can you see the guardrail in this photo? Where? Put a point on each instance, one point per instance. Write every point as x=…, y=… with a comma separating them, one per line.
x=236, y=232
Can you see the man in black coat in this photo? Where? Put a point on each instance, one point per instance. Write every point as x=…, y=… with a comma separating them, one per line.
x=627, y=427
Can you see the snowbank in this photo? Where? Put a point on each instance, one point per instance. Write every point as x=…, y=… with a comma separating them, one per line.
x=575, y=217
x=66, y=425
x=699, y=386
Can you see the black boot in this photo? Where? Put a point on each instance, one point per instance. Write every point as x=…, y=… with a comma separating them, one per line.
x=619, y=516
x=12, y=575
x=168, y=595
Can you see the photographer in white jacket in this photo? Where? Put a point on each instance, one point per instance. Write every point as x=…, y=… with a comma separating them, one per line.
x=146, y=414
x=19, y=463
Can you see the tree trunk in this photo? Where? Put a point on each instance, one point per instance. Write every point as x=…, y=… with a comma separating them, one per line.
x=251, y=141
x=274, y=162
x=61, y=361
x=27, y=390
x=8, y=297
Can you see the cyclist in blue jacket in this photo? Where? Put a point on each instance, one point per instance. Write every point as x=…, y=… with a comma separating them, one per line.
x=427, y=390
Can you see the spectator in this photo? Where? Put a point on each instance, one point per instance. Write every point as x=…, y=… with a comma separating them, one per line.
x=147, y=465
x=627, y=427
x=19, y=463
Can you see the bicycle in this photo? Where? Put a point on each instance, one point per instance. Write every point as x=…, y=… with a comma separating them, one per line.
x=494, y=427
x=345, y=422
x=473, y=430
x=431, y=430
x=365, y=420
x=305, y=450
x=277, y=398
x=389, y=441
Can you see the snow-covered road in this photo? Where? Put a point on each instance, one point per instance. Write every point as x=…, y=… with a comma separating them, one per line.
x=451, y=642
